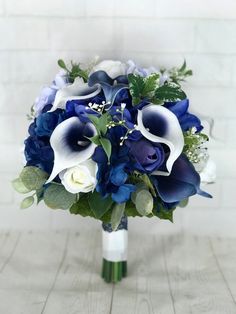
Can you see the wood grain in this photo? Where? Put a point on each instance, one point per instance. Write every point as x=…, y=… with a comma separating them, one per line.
x=59, y=273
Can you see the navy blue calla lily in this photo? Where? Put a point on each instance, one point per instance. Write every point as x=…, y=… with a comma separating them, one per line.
x=186, y=119
x=110, y=89
x=183, y=182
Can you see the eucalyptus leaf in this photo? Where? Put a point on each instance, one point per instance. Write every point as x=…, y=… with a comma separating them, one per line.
x=19, y=186
x=98, y=204
x=27, y=202
x=144, y=202
x=33, y=178
x=62, y=64
x=82, y=207
x=116, y=215
x=57, y=197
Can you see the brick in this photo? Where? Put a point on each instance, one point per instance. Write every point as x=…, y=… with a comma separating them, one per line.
x=82, y=34
x=11, y=157
x=13, y=129
x=17, y=98
x=228, y=192
x=157, y=36
x=210, y=70
x=131, y=8
x=207, y=40
x=69, y=8
x=23, y=34
x=212, y=101
x=2, y=10
x=6, y=189
x=215, y=9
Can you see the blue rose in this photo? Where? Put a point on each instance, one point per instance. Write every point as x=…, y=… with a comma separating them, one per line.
x=147, y=156
x=186, y=119
x=46, y=122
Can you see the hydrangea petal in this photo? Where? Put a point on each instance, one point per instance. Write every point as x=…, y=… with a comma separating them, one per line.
x=70, y=144
x=160, y=125
x=76, y=91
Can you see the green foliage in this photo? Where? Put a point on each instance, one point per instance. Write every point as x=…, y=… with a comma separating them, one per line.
x=19, y=186
x=194, y=145
x=116, y=215
x=143, y=201
x=178, y=75
x=130, y=209
x=138, y=177
x=163, y=213
x=74, y=71
x=81, y=207
x=27, y=202
x=183, y=203
x=142, y=88
x=169, y=92
x=148, y=88
x=33, y=178
x=57, y=197
x=100, y=124
x=98, y=204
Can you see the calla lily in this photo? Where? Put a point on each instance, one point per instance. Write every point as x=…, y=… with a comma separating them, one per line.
x=160, y=125
x=71, y=145
x=111, y=87
x=76, y=91
x=183, y=182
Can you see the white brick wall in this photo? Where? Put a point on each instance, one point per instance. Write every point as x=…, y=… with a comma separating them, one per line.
x=34, y=34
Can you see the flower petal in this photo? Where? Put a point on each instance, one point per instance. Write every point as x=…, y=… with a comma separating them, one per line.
x=184, y=181
x=76, y=91
x=70, y=144
x=160, y=125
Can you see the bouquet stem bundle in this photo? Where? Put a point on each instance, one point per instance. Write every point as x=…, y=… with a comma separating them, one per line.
x=115, y=243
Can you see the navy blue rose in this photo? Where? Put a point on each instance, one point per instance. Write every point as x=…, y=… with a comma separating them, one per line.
x=147, y=156
x=186, y=119
x=46, y=122
x=39, y=153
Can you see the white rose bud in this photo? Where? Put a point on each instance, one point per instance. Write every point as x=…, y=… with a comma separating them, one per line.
x=111, y=67
x=80, y=178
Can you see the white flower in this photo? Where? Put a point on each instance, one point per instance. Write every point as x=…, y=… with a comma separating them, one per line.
x=208, y=174
x=111, y=67
x=81, y=178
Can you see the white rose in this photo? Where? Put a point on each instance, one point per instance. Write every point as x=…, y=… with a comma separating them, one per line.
x=208, y=174
x=111, y=67
x=81, y=178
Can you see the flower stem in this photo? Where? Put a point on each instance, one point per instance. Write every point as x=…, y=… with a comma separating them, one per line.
x=113, y=271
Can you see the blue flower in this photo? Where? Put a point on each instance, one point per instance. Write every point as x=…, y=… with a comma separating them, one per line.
x=112, y=177
x=186, y=119
x=47, y=122
x=147, y=156
x=39, y=153
x=183, y=182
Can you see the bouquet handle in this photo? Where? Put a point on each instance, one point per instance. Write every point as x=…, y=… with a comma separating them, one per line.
x=114, y=251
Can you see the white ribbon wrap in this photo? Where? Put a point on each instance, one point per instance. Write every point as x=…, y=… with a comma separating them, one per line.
x=115, y=245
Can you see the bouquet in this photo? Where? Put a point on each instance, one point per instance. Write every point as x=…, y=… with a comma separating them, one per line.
x=112, y=140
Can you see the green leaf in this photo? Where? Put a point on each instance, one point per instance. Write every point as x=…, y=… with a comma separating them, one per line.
x=130, y=209
x=183, y=67
x=95, y=139
x=143, y=201
x=62, y=64
x=100, y=123
x=163, y=213
x=19, y=186
x=33, y=178
x=98, y=204
x=170, y=92
x=27, y=202
x=106, y=145
x=183, y=203
x=116, y=215
x=82, y=207
x=57, y=197
x=39, y=194
x=141, y=87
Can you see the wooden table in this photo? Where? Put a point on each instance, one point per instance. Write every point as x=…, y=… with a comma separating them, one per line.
x=59, y=273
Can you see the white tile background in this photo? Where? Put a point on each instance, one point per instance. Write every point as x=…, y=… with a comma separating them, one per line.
x=34, y=34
